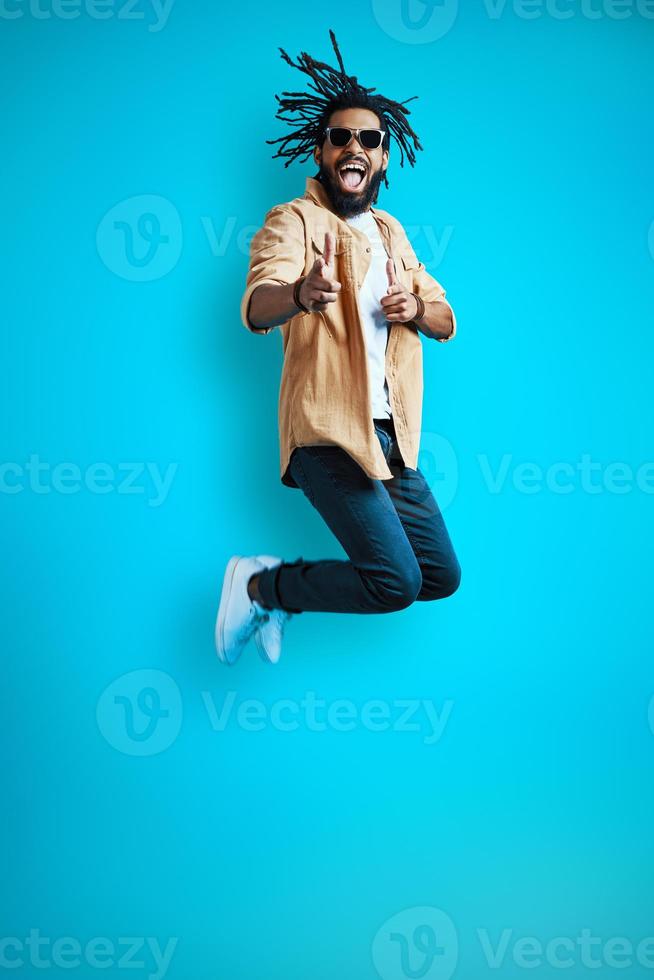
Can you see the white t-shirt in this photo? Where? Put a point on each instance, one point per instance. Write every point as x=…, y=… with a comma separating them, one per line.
x=375, y=324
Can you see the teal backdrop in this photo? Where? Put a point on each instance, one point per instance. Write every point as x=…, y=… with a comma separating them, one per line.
x=458, y=789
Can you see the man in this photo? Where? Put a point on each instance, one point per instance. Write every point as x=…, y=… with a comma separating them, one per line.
x=342, y=282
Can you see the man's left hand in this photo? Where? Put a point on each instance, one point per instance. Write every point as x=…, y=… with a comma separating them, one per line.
x=399, y=305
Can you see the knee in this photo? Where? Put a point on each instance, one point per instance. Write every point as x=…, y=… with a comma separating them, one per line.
x=444, y=583
x=451, y=581
x=398, y=589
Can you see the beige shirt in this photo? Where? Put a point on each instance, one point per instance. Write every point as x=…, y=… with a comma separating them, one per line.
x=324, y=396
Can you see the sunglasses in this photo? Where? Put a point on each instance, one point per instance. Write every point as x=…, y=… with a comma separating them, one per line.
x=371, y=139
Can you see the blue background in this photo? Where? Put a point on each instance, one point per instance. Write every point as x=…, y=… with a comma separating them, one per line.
x=274, y=853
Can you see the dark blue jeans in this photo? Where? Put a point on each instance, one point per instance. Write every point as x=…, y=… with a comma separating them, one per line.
x=392, y=531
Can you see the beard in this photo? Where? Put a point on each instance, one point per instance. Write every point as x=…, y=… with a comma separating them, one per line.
x=349, y=205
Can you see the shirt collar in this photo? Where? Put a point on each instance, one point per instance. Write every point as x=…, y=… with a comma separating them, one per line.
x=317, y=193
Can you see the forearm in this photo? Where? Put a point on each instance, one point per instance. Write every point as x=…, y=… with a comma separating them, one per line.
x=438, y=320
x=271, y=305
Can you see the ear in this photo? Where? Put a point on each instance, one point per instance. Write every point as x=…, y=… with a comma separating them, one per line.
x=317, y=155
x=385, y=160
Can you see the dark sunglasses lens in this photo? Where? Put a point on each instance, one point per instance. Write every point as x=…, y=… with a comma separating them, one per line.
x=370, y=138
x=340, y=137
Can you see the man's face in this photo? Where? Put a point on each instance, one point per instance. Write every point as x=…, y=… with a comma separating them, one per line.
x=347, y=196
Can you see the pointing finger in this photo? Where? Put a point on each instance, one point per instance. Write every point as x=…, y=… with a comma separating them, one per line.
x=390, y=272
x=329, y=248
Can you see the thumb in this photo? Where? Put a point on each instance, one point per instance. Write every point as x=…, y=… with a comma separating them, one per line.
x=390, y=273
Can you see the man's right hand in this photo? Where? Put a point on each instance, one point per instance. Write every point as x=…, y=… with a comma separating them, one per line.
x=320, y=286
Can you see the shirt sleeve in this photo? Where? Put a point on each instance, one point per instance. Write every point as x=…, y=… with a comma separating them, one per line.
x=277, y=256
x=425, y=286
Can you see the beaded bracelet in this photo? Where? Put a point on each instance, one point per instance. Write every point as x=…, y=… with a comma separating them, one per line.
x=296, y=294
x=421, y=306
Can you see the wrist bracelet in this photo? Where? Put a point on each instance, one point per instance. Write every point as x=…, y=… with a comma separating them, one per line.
x=296, y=294
x=421, y=306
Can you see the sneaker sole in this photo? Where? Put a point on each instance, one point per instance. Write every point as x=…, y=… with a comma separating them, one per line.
x=228, y=581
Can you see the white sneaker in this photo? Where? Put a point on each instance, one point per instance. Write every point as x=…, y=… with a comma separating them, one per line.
x=270, y=633
x=238, y=614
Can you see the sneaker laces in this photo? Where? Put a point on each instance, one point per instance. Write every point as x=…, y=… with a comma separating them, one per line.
x=259, y=612
x=278, y=622
x=254, y=620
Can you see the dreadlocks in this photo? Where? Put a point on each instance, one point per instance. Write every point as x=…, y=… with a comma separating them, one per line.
x=335, y=89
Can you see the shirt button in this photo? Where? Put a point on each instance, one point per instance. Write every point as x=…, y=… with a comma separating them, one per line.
x=368, y=249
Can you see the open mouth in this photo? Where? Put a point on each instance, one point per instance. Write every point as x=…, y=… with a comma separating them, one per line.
x=352, y=176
